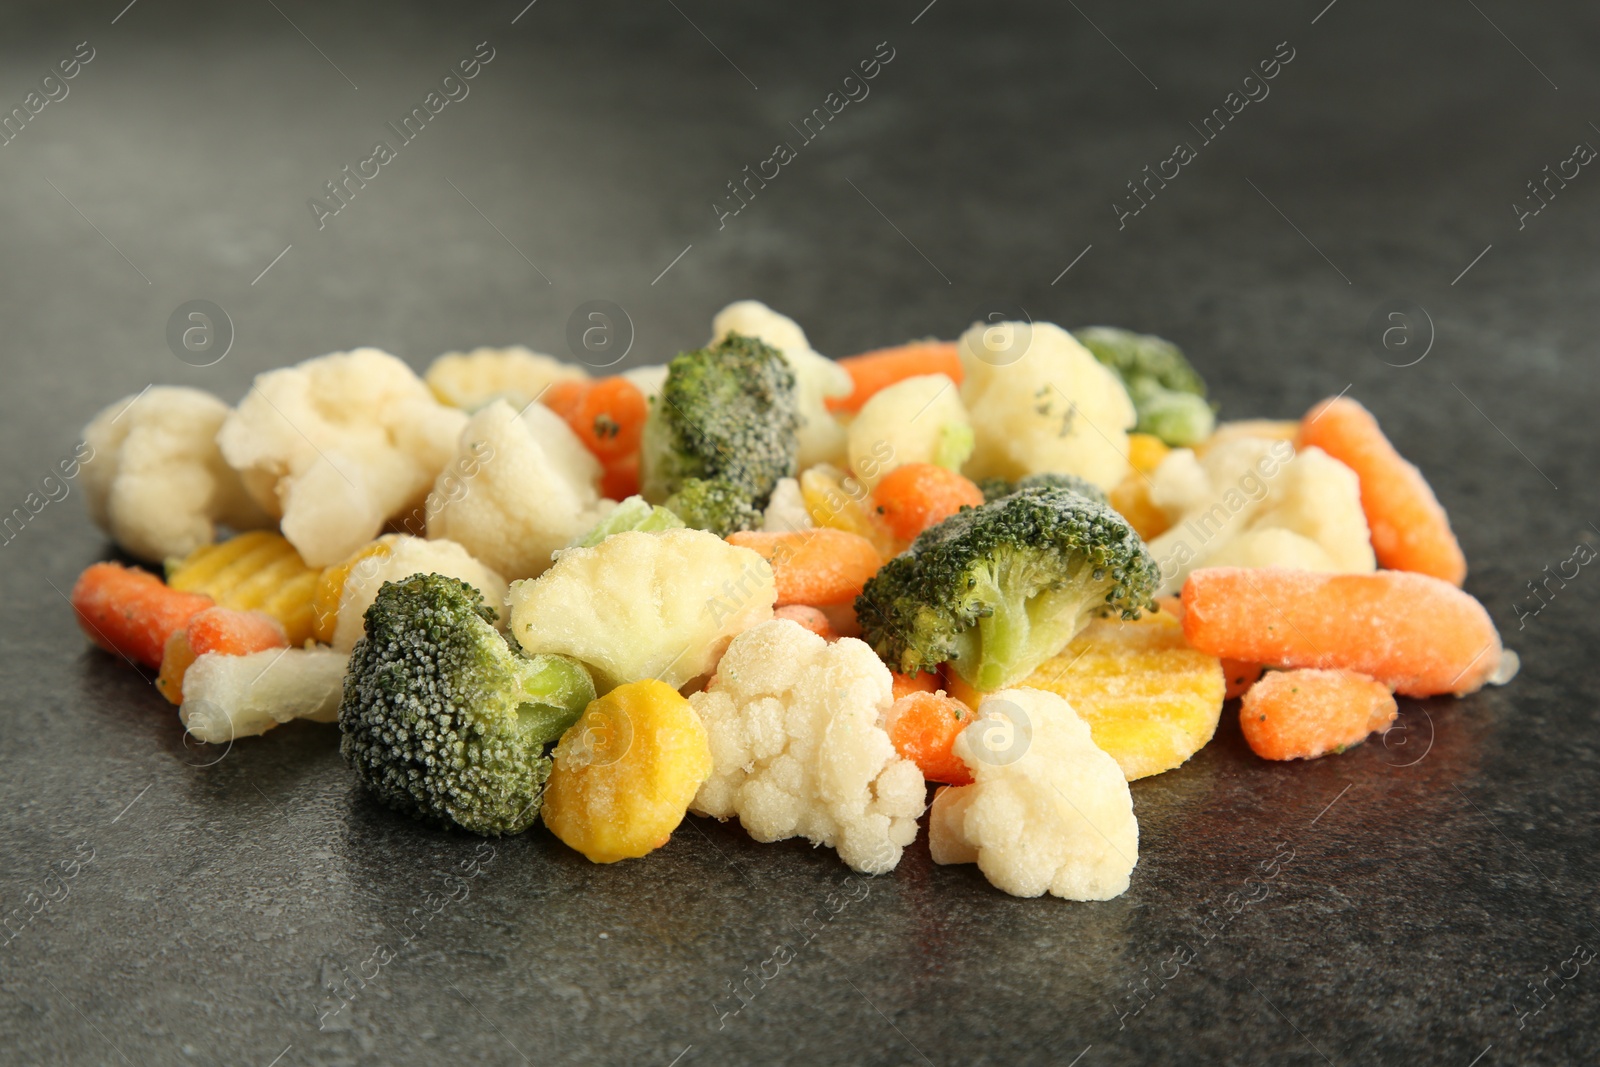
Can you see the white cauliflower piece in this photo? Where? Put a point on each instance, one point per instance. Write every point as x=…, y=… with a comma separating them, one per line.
x=521, y=487
x=225, y=697
x=1048, y=810
x=648, y=380
x=1256, y=502
x=644, y=605
x=786, y=509
x=403, y=556
x=915, y=420
x=336, y=446
x=1039, y=402
x=798, y=748
x=470, y=380
x=816, y=376
x=155, y=480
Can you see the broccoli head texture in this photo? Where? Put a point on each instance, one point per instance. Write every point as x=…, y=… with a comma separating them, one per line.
x=727, y=413
x=715, y=504
x=443, y=719
x=998, y=589
x=995, y=488
x=1166, y=390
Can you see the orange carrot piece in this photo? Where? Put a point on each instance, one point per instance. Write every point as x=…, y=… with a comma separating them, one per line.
x=608, y=416
x=809, y=617
x=816, y=567
x=882, y=367
x=1239, y=676
x=220, y=630
x=905, y=684
x=131, y=612
x=915, y=496
x=923, y=729
x=1304, y=714
x=620, y=479
x=1418, y=635
x=1410, y=530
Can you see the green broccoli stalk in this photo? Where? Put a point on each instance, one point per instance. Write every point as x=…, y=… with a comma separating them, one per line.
x=727, y=413
x=995, y=488
x=715, y=504
x=633, y=513
x=998, y=589
x=442, y=719
x=1167, y=392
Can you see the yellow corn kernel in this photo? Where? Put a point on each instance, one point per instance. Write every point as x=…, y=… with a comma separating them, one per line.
x=255, y=571
x=329, y=587
x=840, y=502
x=1132, y=500
x=626, y=772
x=1150, y=700
x=1146, y=451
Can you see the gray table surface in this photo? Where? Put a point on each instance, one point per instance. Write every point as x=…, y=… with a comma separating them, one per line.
x=1425, y=882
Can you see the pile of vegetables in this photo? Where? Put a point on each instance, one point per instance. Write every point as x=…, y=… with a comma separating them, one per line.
x=757, y=583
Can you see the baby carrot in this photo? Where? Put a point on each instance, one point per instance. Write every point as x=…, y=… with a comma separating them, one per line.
x=905, y=684
x=1416, y=634
x=817, y=567
x=923, y=729
x=915, y=496
x=131, y=612
x=1410, y=530
x=882, y=367
x=1239, y=677
x=608, y=416
x=1304, y=714
x=216, y=629
x=809, y=617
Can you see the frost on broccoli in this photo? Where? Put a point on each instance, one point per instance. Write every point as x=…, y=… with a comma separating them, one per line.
x=442, y=719
x=995, y=488
x=715, y=504
x=726, y=414
x=1167, y=392
x=998, y=589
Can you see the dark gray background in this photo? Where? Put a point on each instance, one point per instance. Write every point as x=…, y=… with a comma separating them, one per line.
x=1457, y=862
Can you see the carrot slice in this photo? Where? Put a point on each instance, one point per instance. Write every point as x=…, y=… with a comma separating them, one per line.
x=1239, y=676
x=1410, y=530
x=817, y=567
x=915, y=496
x=882, y=367
x=1418, y=635
x=608, y=416
x=220, y=630
x=131, y=612
x=905, y=684
x=923, y=729
x=809, y=617
x=1304, y=714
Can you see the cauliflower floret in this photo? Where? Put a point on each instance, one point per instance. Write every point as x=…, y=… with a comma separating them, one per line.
x=521, y=487
x=225, y=697
x=1256, y=502
x=337, y=445
x=1040, y=402
x=469, y=380
x=1048, y=810
x=816, y=376
x=915, y=420
x=402, y=557
x=648, y=380
x=644, y=605
x=786, y=509
x=155, y=479
x=798, y=747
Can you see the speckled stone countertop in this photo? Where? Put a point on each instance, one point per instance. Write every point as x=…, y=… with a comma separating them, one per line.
x=208, y=903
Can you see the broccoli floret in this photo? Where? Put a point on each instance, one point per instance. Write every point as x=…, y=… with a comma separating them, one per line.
x=715, y=504
x=998, y=589
x=727, y=413
x=995, y=488
x=633, y=513
x=443, y=719
x=1166, y=390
